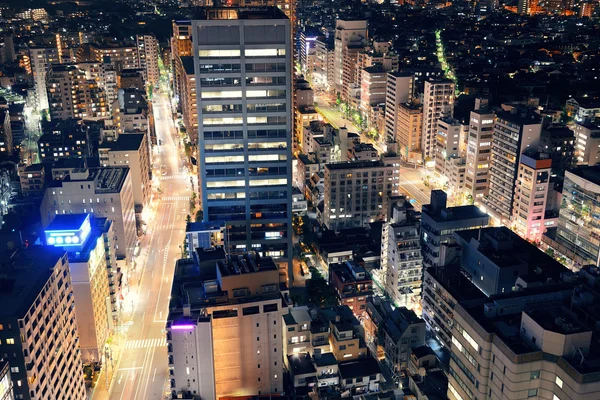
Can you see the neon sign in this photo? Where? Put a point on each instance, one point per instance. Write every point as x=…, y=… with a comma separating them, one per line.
x=69, y=237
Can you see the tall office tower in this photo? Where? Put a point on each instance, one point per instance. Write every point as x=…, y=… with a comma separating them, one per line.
x=243, y=71
x=39, y=328
x=72, y=95
x=479, y=150
x=438, y=102
x=401, y=257
x=103, y=192
x=531, y=195
x=578, y=235
x=87, y=264
x=514, y=132
x=350, y=39
x=224, y=334
x=41, y=59
x=399, y=90
x=148, y=55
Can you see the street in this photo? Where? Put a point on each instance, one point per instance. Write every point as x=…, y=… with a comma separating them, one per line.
x=142, y=370
x=411, y=178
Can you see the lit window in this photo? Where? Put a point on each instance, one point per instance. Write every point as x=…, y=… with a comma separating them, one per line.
x=559, y=383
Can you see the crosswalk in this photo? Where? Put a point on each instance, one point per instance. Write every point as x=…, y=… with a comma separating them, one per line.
x=171, y=177
x=175, y=198
x=145, y=343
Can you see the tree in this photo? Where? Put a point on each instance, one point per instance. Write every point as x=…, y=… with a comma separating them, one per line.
x=318, y=290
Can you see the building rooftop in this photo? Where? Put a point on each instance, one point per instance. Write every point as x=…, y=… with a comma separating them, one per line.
x=301, y=364
x=245, y=264
x=188, y=64
x=357, y=368
x=591, y=174
x=453, y=279
x=459, y=213
x=520, y=117
x=354, y=165
x=325, y=359
x=25, y=272
x=126, y=142
x=241, y=13
x=69, y=222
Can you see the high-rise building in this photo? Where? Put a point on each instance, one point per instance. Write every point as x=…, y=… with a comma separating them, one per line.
x=350, y=39
x=38, y=325
x=323, y=74
x=534, y=343
x=41, y=59
x=531, y=195
x=438, y=224
x=438, y=102
x=578, y=235
x=358, y=193
x=187, y=95
x=6, y=385
x=409, y=127
x=89, y=275
x=245, y=125
x=224, y=334
x=372, y=91
x=447, y=143
x=399, y=90
x=148, y=55
x=587, y=145
x=131, y=150
x=479, y=150
x=515, y=131
x=121, y=55
x=72, y=95
x=181, y=46
x=104, y=192
x=6, y=135
x=401, y=258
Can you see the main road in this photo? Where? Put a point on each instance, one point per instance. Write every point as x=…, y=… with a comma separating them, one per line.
x=142, y=370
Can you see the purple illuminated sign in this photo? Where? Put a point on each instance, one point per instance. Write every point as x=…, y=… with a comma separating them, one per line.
x=182, y=327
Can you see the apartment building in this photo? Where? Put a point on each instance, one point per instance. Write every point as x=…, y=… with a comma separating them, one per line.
x=447, y=142
x=131, y=150
x=187, y=93
x=438, y=102
x=529, y=344
x=38, y=320
x=352, y=284
x=6, y=135
x=399, y=90
x=479, y=150
x=357, y=193
x=587, y=143
x=350, y=38
x=438, y=224
x=65, y=139
x=531, y=196
x=32, y=178
x=577, y=235
x=403, y=330
x=147, y=47
x=515, y=131
x=72, y=95
x=6, y=390
x=41, y=59
x=224, y=334
x=122, y=55
x=104, y=192
x=401, y=258
x=443, y=288
x=324, y=75
x=559, y=141
x=408, y=131
x=181, y=46
x=372, y=91
x=378, y=53
x=245, y=158
x=131, y=113
x=87, y=265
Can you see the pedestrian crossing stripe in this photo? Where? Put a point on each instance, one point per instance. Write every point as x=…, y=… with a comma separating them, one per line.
x=171, y=177
x=145, y=343
x=175, y=198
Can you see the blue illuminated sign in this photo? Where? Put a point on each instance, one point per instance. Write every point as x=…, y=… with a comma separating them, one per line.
x=68, y=237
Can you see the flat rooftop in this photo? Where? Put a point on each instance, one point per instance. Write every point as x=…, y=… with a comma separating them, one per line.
x=452, y=278
x=67, y=222
x=125, y=142
x=25, y=274
x=353, y=165
x=591, y=174
x=241, y=13
x=453, y=213
x=245, y=264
